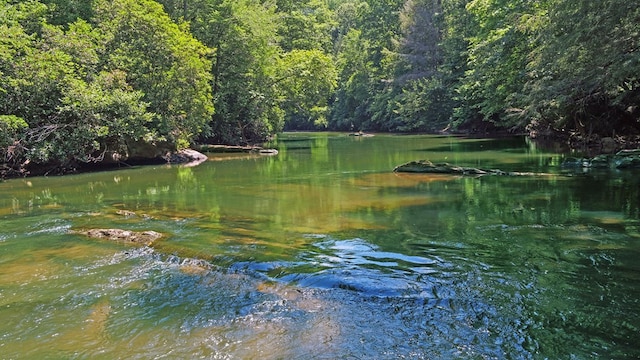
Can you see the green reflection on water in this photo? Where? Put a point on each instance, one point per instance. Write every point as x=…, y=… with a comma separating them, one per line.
x=554, y=256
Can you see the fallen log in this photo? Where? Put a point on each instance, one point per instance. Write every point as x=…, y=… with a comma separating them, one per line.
x=221, y=149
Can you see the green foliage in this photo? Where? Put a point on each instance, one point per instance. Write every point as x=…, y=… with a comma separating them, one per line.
x=28, y=14
x=497, y=59
x=11, y=130
x=424, y=106
x=305, y=25
x=10, y=127
x=307, y=80
x=353, y=94
x=65, y=12
x=106, y=114
x=243, y=36
x=80, y=80
x=75, y=93
x=395, y=84
x=162, y=60
x=584, y=75
x=365, y=64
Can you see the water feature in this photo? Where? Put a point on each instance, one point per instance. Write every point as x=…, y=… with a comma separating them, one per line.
x=321, y=252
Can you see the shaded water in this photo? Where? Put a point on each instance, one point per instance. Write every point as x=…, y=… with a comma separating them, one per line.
x=321, y=252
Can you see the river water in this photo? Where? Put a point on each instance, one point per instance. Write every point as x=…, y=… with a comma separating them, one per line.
x=322, y=252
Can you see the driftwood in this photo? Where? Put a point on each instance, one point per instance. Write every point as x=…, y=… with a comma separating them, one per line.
x=236, y=149
x=360, y=133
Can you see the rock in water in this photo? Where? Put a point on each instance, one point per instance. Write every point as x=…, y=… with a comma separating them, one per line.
x=426, y=166
x=143, y=238
x=188, y=157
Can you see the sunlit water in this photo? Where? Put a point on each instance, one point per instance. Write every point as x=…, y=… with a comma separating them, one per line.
x=322, y=252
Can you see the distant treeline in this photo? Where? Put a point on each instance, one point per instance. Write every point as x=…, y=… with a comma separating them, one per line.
x=84, y=80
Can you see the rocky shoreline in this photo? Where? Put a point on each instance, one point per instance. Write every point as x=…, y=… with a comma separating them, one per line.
x=623, y=159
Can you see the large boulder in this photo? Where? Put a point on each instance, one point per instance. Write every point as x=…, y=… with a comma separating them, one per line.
x=141, y=152
x=187, y=157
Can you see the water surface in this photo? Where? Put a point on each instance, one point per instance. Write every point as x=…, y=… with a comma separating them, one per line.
x=323, y=252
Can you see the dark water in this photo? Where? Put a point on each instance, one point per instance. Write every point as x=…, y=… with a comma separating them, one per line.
x=321, y=252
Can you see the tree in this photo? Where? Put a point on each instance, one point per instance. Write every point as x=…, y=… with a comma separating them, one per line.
x=306, y=80
x=64, y=12
x=243, y=36
x=352, y=100
x=421, y=101
x=106, y=114
x=163, y=61
x=362, y=96
x=305, y=25
x=584, y=75
x=418, y=46
x=75, y=93
x=499, y=50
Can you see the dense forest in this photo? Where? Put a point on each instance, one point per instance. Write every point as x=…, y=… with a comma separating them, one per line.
x=86, y=81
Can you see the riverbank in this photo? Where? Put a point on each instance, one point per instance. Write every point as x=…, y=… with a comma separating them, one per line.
x=186, y=157
x=581, y=146
x=589, y=145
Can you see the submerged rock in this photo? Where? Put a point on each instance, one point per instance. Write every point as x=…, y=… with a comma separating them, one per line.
x=426, y=166
x=624, y=159
x=143, y=238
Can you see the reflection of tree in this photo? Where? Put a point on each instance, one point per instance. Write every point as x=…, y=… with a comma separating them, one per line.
x=552, y=251
x=320, y=150
x=486, y=201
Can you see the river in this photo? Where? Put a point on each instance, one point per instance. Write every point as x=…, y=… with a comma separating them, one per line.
x=322, y=252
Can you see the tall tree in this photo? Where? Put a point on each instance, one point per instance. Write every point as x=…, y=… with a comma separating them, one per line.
x=419, y=51
x=162, y=60
x=498, y=54
x=243, y=36
x=364, y=66
x=306, y=80
x=421, y=101
x=305, y=25
x=351, y=106
x=584, y=75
